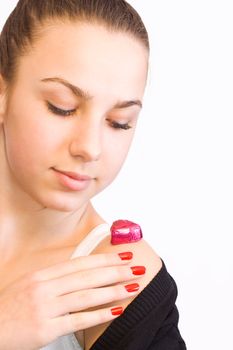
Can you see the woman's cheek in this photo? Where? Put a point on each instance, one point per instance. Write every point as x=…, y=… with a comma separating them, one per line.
x=26, y=147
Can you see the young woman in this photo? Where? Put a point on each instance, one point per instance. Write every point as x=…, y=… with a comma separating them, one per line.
x=73, y=74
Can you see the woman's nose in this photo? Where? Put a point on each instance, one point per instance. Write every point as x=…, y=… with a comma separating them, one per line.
x=86, y=142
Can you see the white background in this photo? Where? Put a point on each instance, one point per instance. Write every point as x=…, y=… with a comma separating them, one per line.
x=177, y=181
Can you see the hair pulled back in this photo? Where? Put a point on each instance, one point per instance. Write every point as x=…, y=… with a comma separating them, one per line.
x=22, y=27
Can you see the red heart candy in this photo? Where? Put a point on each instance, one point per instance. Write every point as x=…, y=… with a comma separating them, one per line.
x=125, y=231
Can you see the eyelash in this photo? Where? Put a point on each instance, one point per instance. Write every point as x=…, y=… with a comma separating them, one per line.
x=58, y=111
x=67, y=113
x=116, y=125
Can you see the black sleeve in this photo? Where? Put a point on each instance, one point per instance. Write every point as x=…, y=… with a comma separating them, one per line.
x=150, y=322
x=168, y=336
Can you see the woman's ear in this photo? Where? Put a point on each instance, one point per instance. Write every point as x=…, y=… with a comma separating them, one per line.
x=2, y=99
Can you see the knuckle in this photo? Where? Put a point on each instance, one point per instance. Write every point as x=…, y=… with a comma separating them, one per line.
x=37, y=298
x=76, y=322
x=36, y=322
x=111, y=294
x=120, y=273
x=31, y=291
x=111, y=258
x=34, y=291
x=86, y=277
x=82, y=263
x=85, y=320
x=107, y=259
x=35, y=276
x=102, y=316
x=29, y=280
x=85, y=298
x=42, y=332
x=94, y=297
x=76, y=264
x=117, y=292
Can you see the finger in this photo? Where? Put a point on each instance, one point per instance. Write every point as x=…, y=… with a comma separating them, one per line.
x=71, y=323
x=85, y=299
x=93, y=278
x=84, y=263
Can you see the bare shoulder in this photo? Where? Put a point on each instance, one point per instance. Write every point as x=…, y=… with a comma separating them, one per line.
x=143, y=255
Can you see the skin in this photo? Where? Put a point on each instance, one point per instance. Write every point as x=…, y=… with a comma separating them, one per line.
x=40, y=216
x=85, y=142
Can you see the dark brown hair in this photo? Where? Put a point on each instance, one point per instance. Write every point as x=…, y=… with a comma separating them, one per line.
x=22, y=27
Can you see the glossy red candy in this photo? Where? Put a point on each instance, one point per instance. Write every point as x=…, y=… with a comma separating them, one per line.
x=125, y=231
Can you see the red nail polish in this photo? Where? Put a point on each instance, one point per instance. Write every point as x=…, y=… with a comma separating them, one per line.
x=116, y=311
x=133, y=287
x=126, y=255
x=138, y=270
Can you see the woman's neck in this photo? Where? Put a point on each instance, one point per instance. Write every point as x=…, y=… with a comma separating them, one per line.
x=36, y=231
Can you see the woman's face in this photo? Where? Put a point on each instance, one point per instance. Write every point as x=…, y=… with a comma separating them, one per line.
x=73, y=108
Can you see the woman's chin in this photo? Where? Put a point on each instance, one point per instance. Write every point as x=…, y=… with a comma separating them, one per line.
x=61, y=203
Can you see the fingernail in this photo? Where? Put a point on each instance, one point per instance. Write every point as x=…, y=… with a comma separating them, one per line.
x=117, y=310
x=138, y=270
x=133, y=287
x=126, y=255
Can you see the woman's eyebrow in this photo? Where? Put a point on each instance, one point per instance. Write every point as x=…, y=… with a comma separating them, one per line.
x=126, y=104
x=86, y=96
x=75, y=89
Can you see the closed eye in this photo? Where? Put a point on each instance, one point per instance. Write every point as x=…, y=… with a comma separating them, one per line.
x=116, y=125
x=66, y=113
x=59, y=111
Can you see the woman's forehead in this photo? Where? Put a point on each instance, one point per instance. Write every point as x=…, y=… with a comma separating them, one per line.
x=93, y=42
x=95, y=56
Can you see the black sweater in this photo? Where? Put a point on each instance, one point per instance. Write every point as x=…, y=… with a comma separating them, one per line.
x=150, y=322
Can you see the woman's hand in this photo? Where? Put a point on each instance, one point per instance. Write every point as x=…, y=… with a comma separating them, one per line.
x=43, y=305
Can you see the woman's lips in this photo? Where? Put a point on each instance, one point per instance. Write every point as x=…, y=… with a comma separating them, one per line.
x=72, y=180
